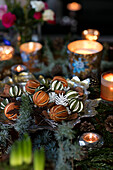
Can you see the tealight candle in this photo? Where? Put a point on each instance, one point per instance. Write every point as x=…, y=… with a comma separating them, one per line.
x=90, y=34
x=30, y=53
x=85, y=57
x=6, y=52
x=107, y=86
x=74, y=6
x=16, y=69
x=91, y=139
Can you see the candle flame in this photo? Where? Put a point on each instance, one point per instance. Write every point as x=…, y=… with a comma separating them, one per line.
x=7, y=51
x=111, y=88
x=90, y=136
x=19, y=68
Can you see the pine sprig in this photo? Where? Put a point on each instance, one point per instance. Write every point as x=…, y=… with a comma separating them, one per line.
x=24, y=119
x=4, y=134
x=45, y=139
x=67, y=150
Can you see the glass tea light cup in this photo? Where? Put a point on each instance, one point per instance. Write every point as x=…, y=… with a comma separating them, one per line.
x=6, y=52
x=107, y=86
x=16, y=69
x=91, y=140
x=84, y=57
x=90, y=34
x=30, y=54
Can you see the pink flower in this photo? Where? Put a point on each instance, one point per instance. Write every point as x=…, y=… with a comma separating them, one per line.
x=46, y=6
x=8, y=19
x=3, y=10
x=37, y=15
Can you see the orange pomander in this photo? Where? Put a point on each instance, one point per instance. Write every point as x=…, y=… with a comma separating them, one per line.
x=11, y=111
x=63, y=80
x=41, y=98
x=58, y=113
x=31, y=86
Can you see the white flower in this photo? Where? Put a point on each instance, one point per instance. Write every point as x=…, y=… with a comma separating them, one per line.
x=52, y=97
x=61, y=100
x=48, y=15
x=37, y=5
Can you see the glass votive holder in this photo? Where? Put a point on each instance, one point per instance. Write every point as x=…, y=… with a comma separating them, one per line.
x=107, y=86
x=18, y=68
x=84, y=57
x=30, y=54
x=90, y=34
x=6, y=52
x=90, y=140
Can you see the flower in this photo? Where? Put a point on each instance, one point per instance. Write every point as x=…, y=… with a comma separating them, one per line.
x=8, y=19
x=37, y=15
x=52, y=97
x=61, y=100
x=48, y=15
x=37, y=5
x=3, y=10
x=46, y=5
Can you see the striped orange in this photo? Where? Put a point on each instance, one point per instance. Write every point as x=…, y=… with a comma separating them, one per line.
x=58, y=113
x=31, y=86
x=63, y=80
x=41, y=98
x=11, y=111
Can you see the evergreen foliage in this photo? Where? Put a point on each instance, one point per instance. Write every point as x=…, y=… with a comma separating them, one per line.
x=67, y=150
x=24, y=119
x=45, y=139
x=4, y=134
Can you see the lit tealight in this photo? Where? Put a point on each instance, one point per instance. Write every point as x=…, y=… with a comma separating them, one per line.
x=90, y=34
x=6, y=52
x=74, y=6
x=16, y=69
x=108, y=77
x=19, y=68
x=91, y=139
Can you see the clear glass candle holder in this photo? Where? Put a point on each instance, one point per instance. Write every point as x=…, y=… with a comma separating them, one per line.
x=107, y=86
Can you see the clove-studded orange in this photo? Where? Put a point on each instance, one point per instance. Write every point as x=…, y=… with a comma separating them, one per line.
x=31, y=86
x=11, y=110
x=41, y=98
x=62, y=79
x=58, y=113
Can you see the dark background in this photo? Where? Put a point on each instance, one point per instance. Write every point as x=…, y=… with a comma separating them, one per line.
x=96, y=14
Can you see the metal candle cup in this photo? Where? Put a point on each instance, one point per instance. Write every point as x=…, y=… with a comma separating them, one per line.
x=90, y=140
x=16, y=69
x=30, y=54
x=107, y=86
x=90, y=34
x=6, y=52
x=85, y=57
